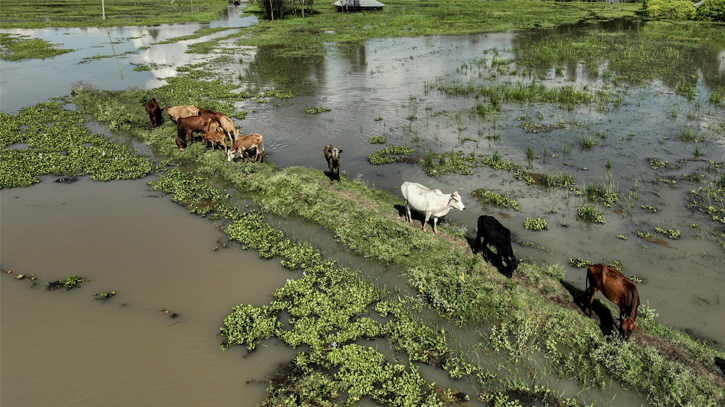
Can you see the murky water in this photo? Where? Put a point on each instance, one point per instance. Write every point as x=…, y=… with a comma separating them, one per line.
x=63, y=348
x=156, y=256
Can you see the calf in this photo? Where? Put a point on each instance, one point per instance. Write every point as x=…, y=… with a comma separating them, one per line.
x=490, y=231
x=180, y=112
x=619, y=290
x=244, y=143
x=431, y=201
x=188, y=125
x=332, y=155
x=224, y=120
x=154, y=112
x=215, y=134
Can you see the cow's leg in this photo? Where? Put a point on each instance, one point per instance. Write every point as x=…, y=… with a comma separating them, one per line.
x=590, y=293
x=435, y=221
x=408, y=218
x=425, y=222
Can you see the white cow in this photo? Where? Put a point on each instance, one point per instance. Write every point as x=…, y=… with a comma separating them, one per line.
x=431, y=201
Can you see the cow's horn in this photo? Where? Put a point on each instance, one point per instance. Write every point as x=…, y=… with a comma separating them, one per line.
x=459, y=189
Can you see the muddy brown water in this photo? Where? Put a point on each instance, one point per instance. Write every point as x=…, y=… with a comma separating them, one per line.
x=61, y=348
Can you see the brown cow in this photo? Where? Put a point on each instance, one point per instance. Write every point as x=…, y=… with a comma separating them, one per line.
x=244, y=143
x=215, y=134
x=188, y=125
x=618, y=289
x=224, y=120
x=332, y=155
x=154, y=112
x=180, y=112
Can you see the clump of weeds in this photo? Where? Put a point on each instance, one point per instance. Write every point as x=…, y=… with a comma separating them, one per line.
x=536, y=224
x=68, y=283
x=490, y=197
x=589, y=215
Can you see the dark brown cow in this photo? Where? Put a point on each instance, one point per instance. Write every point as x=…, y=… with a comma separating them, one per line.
x=332, y=155
x=224, y=120
x=154, y=111
x=619, y=290
x=188, y=125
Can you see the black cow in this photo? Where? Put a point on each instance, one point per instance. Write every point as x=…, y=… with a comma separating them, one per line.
x=495, y=234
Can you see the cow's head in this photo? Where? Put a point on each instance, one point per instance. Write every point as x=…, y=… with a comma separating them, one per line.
x=511, y=265
x=628, y=327
x=230, y=154
x=456, y=202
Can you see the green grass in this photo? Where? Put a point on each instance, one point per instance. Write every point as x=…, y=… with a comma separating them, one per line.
x=18, y=47
x=75, y=13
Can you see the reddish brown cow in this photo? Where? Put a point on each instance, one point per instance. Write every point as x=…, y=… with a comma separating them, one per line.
x=224, y=120
x=154, y=112
x=244, y=143
x=188, y=125
x=180, y=112
x=617, y=289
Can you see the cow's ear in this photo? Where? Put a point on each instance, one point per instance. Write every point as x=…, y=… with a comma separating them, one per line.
x=339, y=151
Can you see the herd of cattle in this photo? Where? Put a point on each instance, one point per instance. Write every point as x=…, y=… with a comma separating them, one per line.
x=215, y=127
x=600, y=277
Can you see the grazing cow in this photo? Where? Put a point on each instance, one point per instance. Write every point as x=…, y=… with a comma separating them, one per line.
x=332, y=155
x=188, y=125
x=224, y=120
x=619, y=290
x=180, y=112
x=495, y=234
x=431, y=201
x=154, y=112
x=247, y=142
x=215, y=134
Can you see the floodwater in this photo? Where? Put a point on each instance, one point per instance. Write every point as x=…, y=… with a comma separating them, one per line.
x=64, y=348
x=157, y=257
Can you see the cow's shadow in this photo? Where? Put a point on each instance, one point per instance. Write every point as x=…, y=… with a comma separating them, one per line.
x=491, y=257
x=600, y=312
x=334, y=176
x=418, y=217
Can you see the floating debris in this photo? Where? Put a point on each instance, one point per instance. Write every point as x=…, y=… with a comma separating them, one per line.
x=104, y=296
x=68, y=283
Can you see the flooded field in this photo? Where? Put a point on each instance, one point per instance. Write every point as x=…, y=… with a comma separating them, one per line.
x=64, y=348
x=648, y=136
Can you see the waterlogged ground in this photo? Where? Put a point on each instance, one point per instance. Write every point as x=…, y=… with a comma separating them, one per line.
x=412, y=85
x=416, y=93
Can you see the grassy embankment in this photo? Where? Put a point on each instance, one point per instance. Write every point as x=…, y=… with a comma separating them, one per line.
x=76, y=13
x=535, y=311
x=15, y=47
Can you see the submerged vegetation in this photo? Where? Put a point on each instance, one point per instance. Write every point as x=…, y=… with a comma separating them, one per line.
x=17, y=47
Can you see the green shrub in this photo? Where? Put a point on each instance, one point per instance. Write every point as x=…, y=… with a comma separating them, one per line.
x=671, y=10
x=711, y=10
